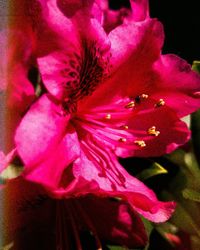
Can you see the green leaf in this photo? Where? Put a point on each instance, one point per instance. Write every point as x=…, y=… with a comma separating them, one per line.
x=155, y=169
x=186, y=216
x=195, y=127
x=148, y=227
x=12, y=171
x=195, y=122
x=117, y=248
x=196, y=66
x=191, y=194
x=38, y=90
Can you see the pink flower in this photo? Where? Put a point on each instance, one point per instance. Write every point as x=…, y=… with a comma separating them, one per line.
x=17, y=90
x=63, y=223
x=112, y=18
x=108, y=96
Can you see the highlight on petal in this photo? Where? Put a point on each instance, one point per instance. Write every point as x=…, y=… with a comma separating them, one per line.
x=41, y=129
x=50, y=171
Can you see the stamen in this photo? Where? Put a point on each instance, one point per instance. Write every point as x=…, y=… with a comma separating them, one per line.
x=122, y=140
x=141, y=97
x=160, y=103
x=108, y=116
x=130, y=105
x=144, y=96
x=140, y=143
x=124, y=127
x=152, y=131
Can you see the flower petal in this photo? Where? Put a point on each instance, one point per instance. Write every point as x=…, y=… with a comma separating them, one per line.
x=110, y=179
x=66, y=67
x=177, y=84
x=40, y=131
x=136, y=44
x=49, y=172
x=140, y=9
x=137, y=126
x=160, y=130
x=30, y=211
x=134, y=48
x=124, y=226
x=31, y=206
x=70, y=7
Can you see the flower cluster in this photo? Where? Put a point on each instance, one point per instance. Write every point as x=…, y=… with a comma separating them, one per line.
x=105, y=91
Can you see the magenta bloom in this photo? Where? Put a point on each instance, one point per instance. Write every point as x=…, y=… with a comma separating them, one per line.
x=63, y=223
x=107, y=96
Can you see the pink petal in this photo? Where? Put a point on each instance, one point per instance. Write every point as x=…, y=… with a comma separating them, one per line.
x=110, y=179
x=140, y=9
x=70, y=7
x=177, y=84
x=48, y=173
x=31, y=205
x=170, y=133
x=124, y=226
x=136, y=44
x=142, y=130
x=40, y=131
x=131, y=62
x=114, y=18
x=65, y=67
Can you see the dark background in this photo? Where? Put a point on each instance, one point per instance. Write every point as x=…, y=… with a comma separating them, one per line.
x=181, y=21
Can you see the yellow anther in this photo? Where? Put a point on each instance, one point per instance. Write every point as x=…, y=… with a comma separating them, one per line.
x=140, y=143
x=160, y=103
x=130, y=105
x=124, y=127
x=144, y=96
x=140, y=98
x=152, y=131
x=122, y=139
x=108, y=116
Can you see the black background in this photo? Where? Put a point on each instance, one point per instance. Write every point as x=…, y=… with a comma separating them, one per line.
x=181, y=20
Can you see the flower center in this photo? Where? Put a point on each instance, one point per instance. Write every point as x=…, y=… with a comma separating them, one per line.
x=85, y=74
